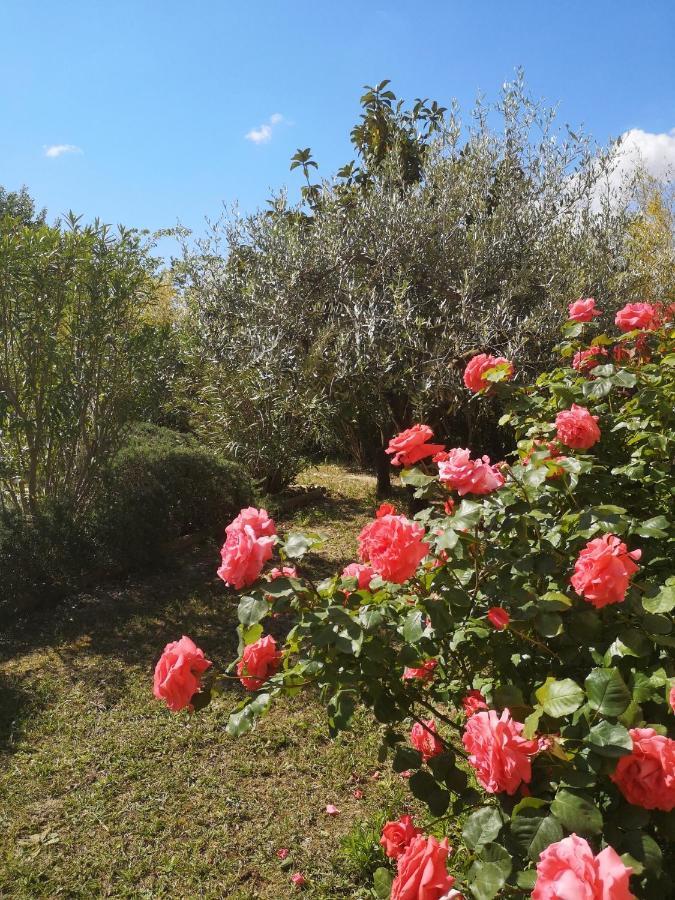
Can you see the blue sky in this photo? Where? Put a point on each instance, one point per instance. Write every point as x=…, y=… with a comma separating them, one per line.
x=159, y=96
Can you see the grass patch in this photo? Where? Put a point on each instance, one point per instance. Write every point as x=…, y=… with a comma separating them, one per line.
x=103, y=792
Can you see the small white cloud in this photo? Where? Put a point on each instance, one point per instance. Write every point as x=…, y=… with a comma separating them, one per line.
x=263, y=134
x=260, y=135
x=655, y=153
x=56, y=150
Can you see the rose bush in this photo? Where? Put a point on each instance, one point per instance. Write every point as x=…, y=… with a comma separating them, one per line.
x=536, y=614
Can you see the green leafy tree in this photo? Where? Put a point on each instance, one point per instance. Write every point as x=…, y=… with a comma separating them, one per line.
x=71, y=352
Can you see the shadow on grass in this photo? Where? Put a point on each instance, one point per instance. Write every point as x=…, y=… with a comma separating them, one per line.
x=18, y=704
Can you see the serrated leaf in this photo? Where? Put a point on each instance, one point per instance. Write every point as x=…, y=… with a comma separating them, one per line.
x=610, y=740
x=534, y=829
x=577, y=812
x=252, y=610
x=560, y=698
x=607, y=692
x=482, y=827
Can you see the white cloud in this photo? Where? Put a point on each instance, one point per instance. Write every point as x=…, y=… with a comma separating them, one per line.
x=263, y=134
x=56, y=150
x=638, y=149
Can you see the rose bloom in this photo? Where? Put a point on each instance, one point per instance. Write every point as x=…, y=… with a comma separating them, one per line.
x=425, y=740
x=637, y=315
x=283, y=572
x=585, y=361
x=577, y=428
x=475, y=374
x=243, y=556
x=469, y=476
x=411, y=446
x=498, y=617
x=422, y=872
x=671, y=698
x=178, y=673
x=477, y=369
x=393, y=546
x=473, y=702
x=498, y=753
x=567, y=870
x=257, y=519
x=603, y=570
x=397, y=835
x=385, y=509
x=363, y=574
x=258, y=662
x=582, y=310
x=646, y=777
x=425, y=672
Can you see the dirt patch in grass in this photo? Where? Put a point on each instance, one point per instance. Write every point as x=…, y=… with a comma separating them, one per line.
x=104, y=793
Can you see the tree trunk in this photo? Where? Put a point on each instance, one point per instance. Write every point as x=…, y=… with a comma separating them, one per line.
x=382, y=467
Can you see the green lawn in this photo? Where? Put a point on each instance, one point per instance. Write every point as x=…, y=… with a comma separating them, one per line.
x=105, y=793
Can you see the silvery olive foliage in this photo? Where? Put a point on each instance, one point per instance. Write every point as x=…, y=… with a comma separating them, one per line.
x=340, y=318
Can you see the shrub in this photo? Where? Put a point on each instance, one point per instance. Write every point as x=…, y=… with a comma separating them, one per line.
x=41, y=557
x=70, y=302
x=161, y=485
x=531, y=650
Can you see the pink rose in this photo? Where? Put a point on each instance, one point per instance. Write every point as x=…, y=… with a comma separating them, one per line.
x=583, y=310
x=248, y=546
x=411, y=446
x=424, y=739
x=498, y=617
x=577, y=428
x=283, y=572
x=585, y=361
x=258, y=662
x=478, y=368
x=498, y=753
x=671, y=698
x=178, y=673
x=567, y=870
x=257, y=519
x=385, y=509
x=397, y=835
x=473, y=702
x=393, y=546
x=637, y=315
x=422, y=872
x=469, y=476
x=363, y=574
x=425, y=672
x=647, y=776
x=603, y=570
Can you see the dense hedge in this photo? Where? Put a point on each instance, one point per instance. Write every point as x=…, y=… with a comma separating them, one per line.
x=159, y=486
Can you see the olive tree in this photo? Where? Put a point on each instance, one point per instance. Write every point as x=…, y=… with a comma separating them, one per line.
x=350, y=314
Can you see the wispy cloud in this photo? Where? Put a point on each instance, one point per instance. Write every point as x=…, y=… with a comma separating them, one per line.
x=263, y=133
x=55, y=150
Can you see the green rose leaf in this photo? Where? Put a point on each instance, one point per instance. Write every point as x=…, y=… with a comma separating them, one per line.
x=482, y=827
x=534, y=829
x=382, y=881
x=486, y=879
x=664, y=601
x=252, y=610
x=610, y=740
x=607, y=692
x=297, y=544
x=243, y=720
x=406, y=758
x=560, y=698
x=577, y=812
